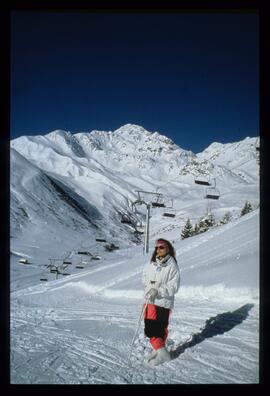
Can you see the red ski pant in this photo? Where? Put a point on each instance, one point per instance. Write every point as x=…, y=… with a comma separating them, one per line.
x=156, y=321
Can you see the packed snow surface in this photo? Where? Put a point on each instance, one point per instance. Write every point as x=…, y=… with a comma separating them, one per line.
x=67, y=191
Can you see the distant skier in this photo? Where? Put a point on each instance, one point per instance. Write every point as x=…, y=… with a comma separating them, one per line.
x=161, y=279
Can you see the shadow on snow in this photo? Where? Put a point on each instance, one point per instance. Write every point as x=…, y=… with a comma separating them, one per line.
x=214, y=326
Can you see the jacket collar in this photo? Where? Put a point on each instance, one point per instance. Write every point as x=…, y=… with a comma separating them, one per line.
x=162, y=261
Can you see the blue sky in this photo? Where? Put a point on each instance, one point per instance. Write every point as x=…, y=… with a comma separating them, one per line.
x=191, y=76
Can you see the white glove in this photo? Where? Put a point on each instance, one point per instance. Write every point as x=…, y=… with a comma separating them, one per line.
x=151, y=295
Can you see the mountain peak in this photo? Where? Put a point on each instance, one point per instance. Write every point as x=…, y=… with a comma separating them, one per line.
x=131, y=129
x=58, y=132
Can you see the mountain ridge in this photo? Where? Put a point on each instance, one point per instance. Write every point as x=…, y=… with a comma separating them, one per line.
x=103, y=170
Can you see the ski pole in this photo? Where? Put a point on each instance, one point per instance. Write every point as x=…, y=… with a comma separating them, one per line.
x=137, y=330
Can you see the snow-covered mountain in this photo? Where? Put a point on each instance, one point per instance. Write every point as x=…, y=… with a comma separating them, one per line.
x=67, y=191
x=102, y=170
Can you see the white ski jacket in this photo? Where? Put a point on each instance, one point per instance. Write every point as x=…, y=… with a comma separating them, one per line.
x=164, y=275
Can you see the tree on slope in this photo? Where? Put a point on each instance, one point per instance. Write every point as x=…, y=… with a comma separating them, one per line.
x=187, y=230
x=226, y=218
x=246, y=209
x=210, y=220
x=205, y=223
x=196, y=230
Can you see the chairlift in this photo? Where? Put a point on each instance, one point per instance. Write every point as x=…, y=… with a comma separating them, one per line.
x=84, y=253
x=100, y=240
x=202, y=181
x=79, y=266
x=24, y=261
x=125, y=219
x=43, y=278
x=169, y=213
x=65, y=273
x=212, y=193
x=67, y=262
x=158, y=203
x=111, y=247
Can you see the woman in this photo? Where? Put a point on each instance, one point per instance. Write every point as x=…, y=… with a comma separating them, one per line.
x=161, y=279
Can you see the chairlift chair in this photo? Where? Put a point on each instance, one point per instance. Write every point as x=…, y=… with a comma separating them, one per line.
x=95, y=258
x=158, y=203
x=169, y=213
x=24, y=261
x=43, y=278
x=84, y=252
x=126, y=220
x=212, y=193
x=202, y=181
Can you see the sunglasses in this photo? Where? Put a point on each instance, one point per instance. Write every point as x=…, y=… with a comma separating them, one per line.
x=160, y=247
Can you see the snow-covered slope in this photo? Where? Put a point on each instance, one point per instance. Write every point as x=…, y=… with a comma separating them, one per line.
x=67, y=191
x=78, y=329
x=232, y=155
x=46, y=197
x=129, y=148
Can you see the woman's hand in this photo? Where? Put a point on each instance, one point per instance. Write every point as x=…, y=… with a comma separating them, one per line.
x=151, y=295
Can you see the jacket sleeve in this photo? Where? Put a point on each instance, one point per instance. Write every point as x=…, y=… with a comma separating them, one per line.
x=172, y=285
x=144, y=275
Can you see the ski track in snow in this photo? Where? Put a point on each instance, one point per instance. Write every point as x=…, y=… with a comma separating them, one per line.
x=54, y=353
x=71, y=331
x=55, y=344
